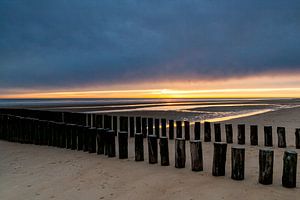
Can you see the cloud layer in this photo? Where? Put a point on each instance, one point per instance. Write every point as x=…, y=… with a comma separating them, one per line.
x=71, y=43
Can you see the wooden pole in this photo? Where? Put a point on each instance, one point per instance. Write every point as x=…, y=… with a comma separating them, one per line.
x=156, y=127
x=241, y=133
x=111, y=143
x=164, y=127
x=74, y=137
x=80, y=141
x=152, y=149
x=217, y=127
x=139, y=147
x=219, y=159
x=196, y=155
x=268, y=136
x=164, y=151
x=124, y=124
x=207, y=132
x=297, y=138
x=237, y=162
x=281, y=137
x=131, y=126
x=86, y=138
x=68, y=135
x=100, y=141
x=178, y=129
x=115, y=124
x=138, y=124
x=229, y=133
x=266, y=157
x=180, y=157
x=289, y=174
x=144, y=127
x=254, y=135
x=92, y=140
x=197, y=130
x=150, y=126
x=186, y=130
x=171, y=129
x=123, y=144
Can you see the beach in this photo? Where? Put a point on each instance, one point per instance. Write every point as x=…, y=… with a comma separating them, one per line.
x=42, y=172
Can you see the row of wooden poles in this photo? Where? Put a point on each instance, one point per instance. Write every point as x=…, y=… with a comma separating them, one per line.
x=102, y=141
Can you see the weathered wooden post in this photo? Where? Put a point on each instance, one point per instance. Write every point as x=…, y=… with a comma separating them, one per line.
x=297, y=138
x=123, y=144
x=131, y=126
x=164, y=151
x=219, y=159
x=281, y=137
x=100, y=141
x=111, y=143
x=196, y=155
x=186, y=130
x=139, y=147
x=98, y=121
x=266, y=157
x=229, y=133
x=289, y=174
x=237, y=162
x=152, y=149
x=150, y=126
x=124, y=124
x=171, y=129
x=92, y=140
x=217, y=127
x=197, y=130
x=268, y=136
x=138, y=124
x=80, y=137
x=144, y=127
x=241, y=133
x=85, y=138
x=207, y=132
x=108, y=122
x=164, y=127
x=105, y=139
x=178, y=129
x=115, y=124
x=156, y=127
x=254, y=135
x=180, y=157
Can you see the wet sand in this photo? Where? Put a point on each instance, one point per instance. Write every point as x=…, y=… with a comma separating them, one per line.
x=40, y=172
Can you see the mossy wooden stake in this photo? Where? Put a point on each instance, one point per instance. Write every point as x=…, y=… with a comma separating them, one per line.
x=123, y=144
x=217, y=128
x=152, y=149
x=180, y=155
x=281, y=137
x=266, y=159
x=196, y=155
x=241, y=133
x=219, y=159
x=253, y=135
x=237, y=162
x=268, y=136
x=289, y=174
x=139, y=147
x=207, y=132
x=164, y=151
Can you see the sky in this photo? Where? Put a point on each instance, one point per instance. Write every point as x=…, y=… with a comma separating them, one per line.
x=137, y=48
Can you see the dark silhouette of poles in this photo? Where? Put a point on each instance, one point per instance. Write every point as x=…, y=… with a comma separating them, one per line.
x=152, y=149
x=237, y=162
x=123, y=144
x=164, y=151
x=178, y=129
x=180, y=155
x=156, y=127
x=197, y=130
x=163, y=127
x=138, y=124
x=171, y=129
x=241, y=133
x=253, y=135
x=92, y=133
x=219, y=159
x=196, y=155
x=281, y=137
x=115, y=124
x=80, y=135
x=150, y=126
x=266, y=159
x=85, y=138
x=100, y=140
x=268, y=136
x=229, y=133
x=139, y=147
x=131, y=126
x=289, y=173
x=144, y=127
x=111, y=143
x=297, y=138
x=124, y=124
x=186, y=130
x=217, y=127
x=207, y=132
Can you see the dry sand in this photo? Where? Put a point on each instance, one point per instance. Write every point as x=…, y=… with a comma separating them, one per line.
x=41, y=172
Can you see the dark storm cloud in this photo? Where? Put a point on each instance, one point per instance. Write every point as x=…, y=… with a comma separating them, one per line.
x=72, y=43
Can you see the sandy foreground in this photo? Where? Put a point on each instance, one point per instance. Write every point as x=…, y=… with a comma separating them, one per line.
x=41, y=172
